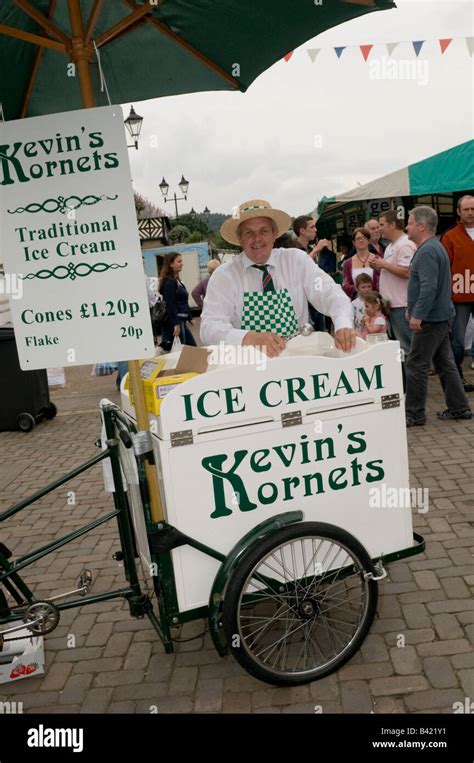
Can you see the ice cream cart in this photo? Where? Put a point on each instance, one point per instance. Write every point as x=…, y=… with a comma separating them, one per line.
x=274, y=476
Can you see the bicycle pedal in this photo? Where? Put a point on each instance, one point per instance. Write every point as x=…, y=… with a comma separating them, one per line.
x=85, y=581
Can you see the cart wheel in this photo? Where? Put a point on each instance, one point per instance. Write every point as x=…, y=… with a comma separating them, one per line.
x=299, y=605
x=50, y=411
x=25, y=422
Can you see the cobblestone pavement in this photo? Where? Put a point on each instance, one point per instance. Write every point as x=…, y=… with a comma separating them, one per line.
x=118, y=664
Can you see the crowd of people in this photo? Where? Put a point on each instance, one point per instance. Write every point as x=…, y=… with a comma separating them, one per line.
x=398, y=281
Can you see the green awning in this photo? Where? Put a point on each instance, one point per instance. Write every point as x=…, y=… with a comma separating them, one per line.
x=448, y=171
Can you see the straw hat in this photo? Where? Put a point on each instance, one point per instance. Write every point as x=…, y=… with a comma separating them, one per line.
x=250, y=209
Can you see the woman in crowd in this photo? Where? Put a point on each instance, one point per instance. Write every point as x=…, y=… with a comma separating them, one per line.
x=175, y=295
x=359, y=263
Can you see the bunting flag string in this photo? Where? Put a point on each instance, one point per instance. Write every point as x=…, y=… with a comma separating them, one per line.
x=312, y=53
x=444, y=44
x=417, y=46
x=367, y=48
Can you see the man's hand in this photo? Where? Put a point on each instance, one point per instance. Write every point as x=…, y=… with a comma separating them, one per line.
x=271, y=344
x=415, y=324
x=176, y=330
x=376, y=262
x=345, y=339
x=319, y=246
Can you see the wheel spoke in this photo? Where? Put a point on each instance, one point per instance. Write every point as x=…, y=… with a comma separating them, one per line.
x=301, y=607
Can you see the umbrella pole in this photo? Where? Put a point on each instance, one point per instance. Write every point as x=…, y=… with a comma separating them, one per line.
x=81, y=55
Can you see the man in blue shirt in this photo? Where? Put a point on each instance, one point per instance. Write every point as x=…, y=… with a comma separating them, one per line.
x=430, y=312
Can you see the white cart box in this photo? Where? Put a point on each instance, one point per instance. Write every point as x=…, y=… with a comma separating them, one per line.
x=324, y=435
x=21, y=658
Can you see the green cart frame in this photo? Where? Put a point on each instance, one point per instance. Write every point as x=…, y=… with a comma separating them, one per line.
x=287, y=618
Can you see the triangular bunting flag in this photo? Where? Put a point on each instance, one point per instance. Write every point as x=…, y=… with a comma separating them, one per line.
x=417, y=45
x=288, y=56
x=470, y=44
x=444, y=43
x=365, y=50
x=339, y=51
x=313, y=53
x=391, y=47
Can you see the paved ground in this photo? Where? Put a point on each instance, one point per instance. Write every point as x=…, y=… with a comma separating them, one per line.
x=118, y=665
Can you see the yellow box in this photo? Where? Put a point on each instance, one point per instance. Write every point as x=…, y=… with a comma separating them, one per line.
x=157, y=383
x=162, y=386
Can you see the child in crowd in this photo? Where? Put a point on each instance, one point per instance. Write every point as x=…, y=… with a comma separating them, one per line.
x=376, y=313
x=363, y=284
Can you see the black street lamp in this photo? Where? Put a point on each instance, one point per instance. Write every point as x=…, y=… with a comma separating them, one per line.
x=133, y=123
x=183, y=184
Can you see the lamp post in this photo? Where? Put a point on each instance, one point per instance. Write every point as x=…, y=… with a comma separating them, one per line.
x=183, y=184
x=133, y=123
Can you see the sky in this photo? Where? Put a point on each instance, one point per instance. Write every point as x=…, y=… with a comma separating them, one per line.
x=306, y=130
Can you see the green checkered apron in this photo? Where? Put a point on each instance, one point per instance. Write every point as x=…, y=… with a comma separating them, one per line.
x=270, y=310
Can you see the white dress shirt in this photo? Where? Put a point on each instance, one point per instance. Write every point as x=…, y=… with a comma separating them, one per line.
x=221, y=317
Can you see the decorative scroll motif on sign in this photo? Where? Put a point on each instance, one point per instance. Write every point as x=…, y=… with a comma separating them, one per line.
x=61, y=204
x=73, y=271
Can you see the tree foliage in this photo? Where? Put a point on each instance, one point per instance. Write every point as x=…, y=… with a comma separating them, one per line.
x=194, y=223
x=179, y=234
x=146, y=208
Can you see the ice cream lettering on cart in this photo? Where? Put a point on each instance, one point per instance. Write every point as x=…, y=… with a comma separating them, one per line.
x=69, y=230
x=283, y=470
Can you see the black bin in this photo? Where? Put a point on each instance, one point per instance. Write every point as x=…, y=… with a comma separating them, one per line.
x=24, y=395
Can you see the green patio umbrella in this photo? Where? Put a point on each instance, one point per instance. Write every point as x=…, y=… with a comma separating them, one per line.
x=150, y=48
x=48, y=63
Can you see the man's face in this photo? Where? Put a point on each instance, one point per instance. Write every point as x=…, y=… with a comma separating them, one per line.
x=374, y=228
x=386, y=229
x=309, y=233
x=414, y=231
x=256, y=238
x=466, y=211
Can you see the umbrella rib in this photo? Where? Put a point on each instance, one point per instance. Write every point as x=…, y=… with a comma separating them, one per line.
x=190, y=49
x=34, y=70
x=121, y=26
x=36, y=39
x=45, y=23
x=93, y=18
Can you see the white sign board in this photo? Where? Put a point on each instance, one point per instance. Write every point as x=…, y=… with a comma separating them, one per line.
x=69, y=228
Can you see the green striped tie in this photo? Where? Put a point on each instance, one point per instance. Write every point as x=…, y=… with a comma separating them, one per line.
x=267, y=280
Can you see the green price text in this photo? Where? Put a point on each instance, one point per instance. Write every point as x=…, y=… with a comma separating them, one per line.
x=120, y=307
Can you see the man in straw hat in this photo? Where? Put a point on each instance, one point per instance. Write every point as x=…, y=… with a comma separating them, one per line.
x=262, y=295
